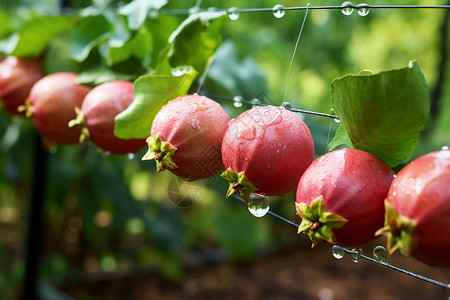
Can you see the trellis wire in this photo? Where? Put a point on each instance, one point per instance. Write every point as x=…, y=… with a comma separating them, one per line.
x=308, y=7
x=368, y=258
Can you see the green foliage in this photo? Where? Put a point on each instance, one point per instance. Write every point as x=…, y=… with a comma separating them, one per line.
x=33, y=38
x=151, y=92
x=138, y=11
x=382, y=113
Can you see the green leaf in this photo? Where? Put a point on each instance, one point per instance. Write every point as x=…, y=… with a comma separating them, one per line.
x=137, y=11
x=101, y=74
x=139, y=46
x=5, y=26
x=90, y=32
x=33, y=38
x=193, y=42
x=382, y=113
x=151, y=92
x=340, y=139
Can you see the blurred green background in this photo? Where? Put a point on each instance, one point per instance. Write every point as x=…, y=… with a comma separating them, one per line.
x=107, y=214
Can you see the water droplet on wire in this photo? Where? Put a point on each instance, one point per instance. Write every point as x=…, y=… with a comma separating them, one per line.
x=130, y=156
x=356, y=255
x=336, y=120
x=337, y=251
x=259, y=205
x=286, y=105
x=255, y=102
x=278, y=11
x=380, y=254
x=347, y=8
x=363, y=9
x=445, y=148
x=233, y=13
x=238, y=101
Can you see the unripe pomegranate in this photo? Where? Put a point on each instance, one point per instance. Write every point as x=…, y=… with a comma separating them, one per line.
x=340, y=197
x=266, y=150
x=418, y=210
x=52, y=103
x=17, y=76
x=96, y=117
x=186, y=137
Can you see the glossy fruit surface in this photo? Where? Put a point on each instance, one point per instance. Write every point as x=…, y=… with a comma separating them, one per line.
x=265, y=150
x=17, y=77
x=52, y=103
x=340, y=197
x=100, y=106
x=418, y=210
x=186, y=137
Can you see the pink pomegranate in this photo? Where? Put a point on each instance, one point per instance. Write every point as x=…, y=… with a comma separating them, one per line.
x=96, y=117
x=186, y=137
x=17, y=76
x=52, y=103
x=340, y=197
x=418, y=210
x=266, y=150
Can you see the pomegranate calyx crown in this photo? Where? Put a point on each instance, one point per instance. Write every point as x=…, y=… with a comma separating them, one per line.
x=161, y=152
x=239, y=183
x=399, y=231
x=317, y=222
x=79, y=122
x=26, y=108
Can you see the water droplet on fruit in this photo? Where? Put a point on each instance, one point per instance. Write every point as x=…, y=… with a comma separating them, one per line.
x=347, y=8
x=278, y=11
x=337, y=251
x=248, y=134
x=445, y=148
x=238, y=101
x=130, y=156
x=259, y=205
x=363, y=9
x=268, y=166
x=380, y=254
x=194, y=124
x=356, y=255
x=233, y=13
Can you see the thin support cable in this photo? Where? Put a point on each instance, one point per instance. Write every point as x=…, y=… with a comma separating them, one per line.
x=293, y=54
x=326, y=7
x=368, y=258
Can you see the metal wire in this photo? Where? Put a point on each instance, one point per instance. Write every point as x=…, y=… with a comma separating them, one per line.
x=368, y=258
x=326, y=7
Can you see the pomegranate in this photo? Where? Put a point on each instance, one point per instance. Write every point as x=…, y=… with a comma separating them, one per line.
x=97, y=113
x=52, y=103
x=186, y=137
x=418, y=210
x=340, y=197
x=17, y=76
x=266, y=150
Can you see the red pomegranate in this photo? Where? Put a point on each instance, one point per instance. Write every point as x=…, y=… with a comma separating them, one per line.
x=418, y=210
x=266, y=150
x=17, y=77
x=96, y=117
x=186, y=137
x=340, y=197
